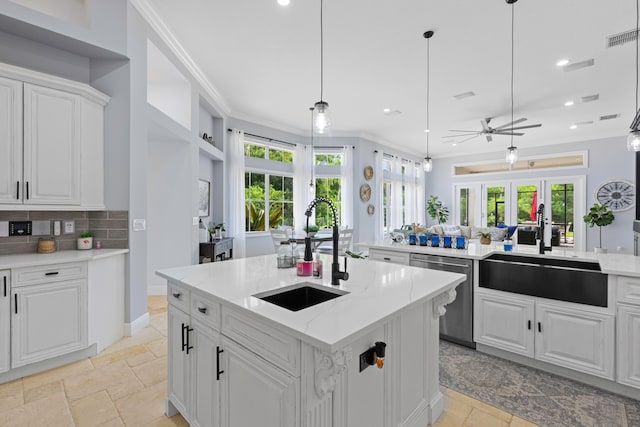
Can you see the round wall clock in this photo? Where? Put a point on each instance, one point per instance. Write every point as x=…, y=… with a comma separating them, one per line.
x=371, y=209
x=368, y=173
x=365, y=192
x=617, y=195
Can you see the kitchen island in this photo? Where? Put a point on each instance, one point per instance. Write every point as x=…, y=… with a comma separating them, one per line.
x=238, y=360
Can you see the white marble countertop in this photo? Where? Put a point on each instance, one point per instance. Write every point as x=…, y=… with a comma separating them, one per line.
x=33, y=259
x=377, y=291
x=610, y=263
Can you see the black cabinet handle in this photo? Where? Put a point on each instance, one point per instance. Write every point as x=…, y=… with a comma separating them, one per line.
x=202, y=310
x=18, y=190
x=529, y=324
x=176, y=294
x=15, y=297
x=184, y=344
x=189, y=347
x=5, y=286
x=218, y=371
x=539, y=327
x=386, y=259
x=27, y=190
x=51, y=273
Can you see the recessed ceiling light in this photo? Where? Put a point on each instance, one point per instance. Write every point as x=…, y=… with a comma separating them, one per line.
x=390, y=112
x=568, y=103
x=454, y=144
x=283, y=2
x=426, y=131
x=573, y=126
x=562, y=62
x=386, y=110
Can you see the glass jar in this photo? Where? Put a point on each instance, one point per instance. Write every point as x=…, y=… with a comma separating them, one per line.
x=285, y=256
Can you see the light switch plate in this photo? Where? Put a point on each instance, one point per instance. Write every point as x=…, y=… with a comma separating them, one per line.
x=139, y=225
x=195, y=221
x=40, y=228
x=69, y=227
x=56, y=228
x=4, y=228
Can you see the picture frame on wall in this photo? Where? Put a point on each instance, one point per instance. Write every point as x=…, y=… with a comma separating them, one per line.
x=204, y=197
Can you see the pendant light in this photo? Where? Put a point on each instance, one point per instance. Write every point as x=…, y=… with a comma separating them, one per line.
x=633, y=140
x=428, y=163
x=322, y=120
x=512, y=152
x=311, y=186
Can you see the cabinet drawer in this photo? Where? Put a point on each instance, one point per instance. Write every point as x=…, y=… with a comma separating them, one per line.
x=205, y=310
x=629, y=289
x=49, y=273
x=178, y=296
x=278, y=348
x=389, y=256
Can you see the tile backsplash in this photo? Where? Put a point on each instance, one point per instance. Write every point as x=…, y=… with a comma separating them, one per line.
x=111, y=228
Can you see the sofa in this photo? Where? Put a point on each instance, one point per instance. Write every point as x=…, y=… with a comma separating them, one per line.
x=527, y=235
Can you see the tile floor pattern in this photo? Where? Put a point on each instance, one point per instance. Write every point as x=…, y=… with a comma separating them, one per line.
x=126, y=385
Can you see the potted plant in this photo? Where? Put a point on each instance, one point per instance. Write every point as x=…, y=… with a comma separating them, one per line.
x=485, y=237
x=311, y=229
x=437, y=210
x=85, y=241
x=601, y=216
x=219, y=230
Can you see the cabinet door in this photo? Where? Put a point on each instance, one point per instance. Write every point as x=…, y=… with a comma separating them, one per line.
x=575, y=339
x=5, y=321
x=48, y=320
x=504, y=322
x=254, y=392
x=629, y=346
x=205, y=405
x=51, y=146
x=10, y=140
x=179, y=372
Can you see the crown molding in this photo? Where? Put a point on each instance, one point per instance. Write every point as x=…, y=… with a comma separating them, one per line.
x=158, y=25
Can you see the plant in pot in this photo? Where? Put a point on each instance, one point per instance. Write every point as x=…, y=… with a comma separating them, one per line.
x=85, y=241
x=485, y=237
x=219, y=230
x=601, y=216
x=437, y=210
x=311, y=229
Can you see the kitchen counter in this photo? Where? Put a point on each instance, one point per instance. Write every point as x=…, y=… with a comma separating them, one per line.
x=610, y=263
x=34, y=259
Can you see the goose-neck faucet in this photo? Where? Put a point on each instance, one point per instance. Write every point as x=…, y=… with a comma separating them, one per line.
x=336, y=274
x=540, y=232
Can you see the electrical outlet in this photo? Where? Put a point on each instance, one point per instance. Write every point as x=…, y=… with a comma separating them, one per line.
x=69, y=227
x=56, y=228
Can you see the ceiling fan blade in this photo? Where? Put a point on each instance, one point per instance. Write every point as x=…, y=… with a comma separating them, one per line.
x=466, y=134
x=458, y=130
x=485, y=124
x=636, y=121
x=508, y=133
x=515, y=122
x=525, y=127
x=489, y=138
x=468, y=139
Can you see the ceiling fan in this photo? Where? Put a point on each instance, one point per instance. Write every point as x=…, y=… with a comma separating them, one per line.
x=487, y=131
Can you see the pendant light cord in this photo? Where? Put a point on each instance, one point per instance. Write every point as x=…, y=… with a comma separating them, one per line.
x=321, y=54
x=637, y=28
x=512, y=51
x=428, y=72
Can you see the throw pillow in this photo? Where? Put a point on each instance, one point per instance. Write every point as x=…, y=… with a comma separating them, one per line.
x=465, y=231
x=451, y=230
x=437, y=229
x=498, y=234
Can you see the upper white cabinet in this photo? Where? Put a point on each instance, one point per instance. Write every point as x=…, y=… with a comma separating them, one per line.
x=51, y=142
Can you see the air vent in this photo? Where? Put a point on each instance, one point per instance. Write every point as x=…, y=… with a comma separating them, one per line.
x=609, y=117
x=622, y=38
x=464, y=95
x=590, y=98
x=578, y=65
x=588, y=122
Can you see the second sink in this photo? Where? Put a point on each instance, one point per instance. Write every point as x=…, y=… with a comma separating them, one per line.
x=300, y=296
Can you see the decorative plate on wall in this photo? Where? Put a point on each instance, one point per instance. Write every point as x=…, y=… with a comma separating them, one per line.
x=617, y=195
x=368, y=173
x=371, y=209
x=365, y=192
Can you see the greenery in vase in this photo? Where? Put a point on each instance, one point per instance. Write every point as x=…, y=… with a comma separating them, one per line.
x=83, y=235
x=484, y=234
x=311, y=228
x=437, y=210
x=599, y=215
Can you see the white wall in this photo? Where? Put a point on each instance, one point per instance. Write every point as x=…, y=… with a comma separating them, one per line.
x=608, y=159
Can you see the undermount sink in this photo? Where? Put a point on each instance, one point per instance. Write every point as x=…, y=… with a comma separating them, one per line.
x=300, y=296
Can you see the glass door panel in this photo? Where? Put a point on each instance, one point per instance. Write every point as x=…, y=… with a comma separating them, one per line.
x=495, y=206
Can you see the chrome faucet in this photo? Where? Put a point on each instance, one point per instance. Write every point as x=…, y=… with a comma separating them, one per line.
x=336, y=274
x=540, y=232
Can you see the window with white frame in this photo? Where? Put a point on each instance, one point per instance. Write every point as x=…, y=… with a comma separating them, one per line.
x=266, y=151
x=328, y=184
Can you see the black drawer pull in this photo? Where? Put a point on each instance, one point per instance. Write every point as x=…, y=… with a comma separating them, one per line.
x=218, y=371
x=529, y=324
x=18, y=190
x=15, y=298
x=27, y=190
x=52, y=273
x=5, y=286
x=202, y=310
x=539, y=327
x=176, y=294
x=387, y=259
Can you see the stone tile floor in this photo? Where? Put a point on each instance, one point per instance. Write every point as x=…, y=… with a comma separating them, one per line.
x=126, y=385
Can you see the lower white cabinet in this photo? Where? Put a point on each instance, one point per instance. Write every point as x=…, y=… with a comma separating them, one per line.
x=5, y=320
x=179, y=367
x=629, y=345
x=205, y=357
x=48, y=320
x=575, y=338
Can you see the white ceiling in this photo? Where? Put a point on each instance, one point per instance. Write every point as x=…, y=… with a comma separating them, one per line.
x=264, y=60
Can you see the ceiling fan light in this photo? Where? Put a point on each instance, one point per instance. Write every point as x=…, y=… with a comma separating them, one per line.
x=512, y=155
x=633, y=141
x=428, y=164
x=322, y=120
x=283, y=2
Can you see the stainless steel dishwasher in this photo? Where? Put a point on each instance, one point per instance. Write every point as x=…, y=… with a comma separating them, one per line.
x=457, y=323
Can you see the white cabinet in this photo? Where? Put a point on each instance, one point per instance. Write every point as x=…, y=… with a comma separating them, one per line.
x=5, y=320
x=48, y=320
x=51, y=142
x=629, y=345
x=255, y=392
x=575, y=338
x=389, y=256
x=178, y=359
x=205, y=362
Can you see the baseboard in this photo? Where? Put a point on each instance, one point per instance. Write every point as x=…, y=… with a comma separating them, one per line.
x=136, y=326
x=157, y=290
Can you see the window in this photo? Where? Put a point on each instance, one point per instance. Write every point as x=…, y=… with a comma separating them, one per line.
x=562, y=217
x=327, y=159
x=495, y=206
x=386, y=191
x=527, y=204
x=330, y=189
x=278, y=196
x=527, y=164
x=260, y=151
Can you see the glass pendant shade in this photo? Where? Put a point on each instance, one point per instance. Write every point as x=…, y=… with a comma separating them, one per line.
x=311, y=186
x=633, y=141
x=428, y=164
x=322, y=120
x=512, y=155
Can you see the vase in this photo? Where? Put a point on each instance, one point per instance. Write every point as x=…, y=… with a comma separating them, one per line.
x=485, y=240
x=85, y=243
